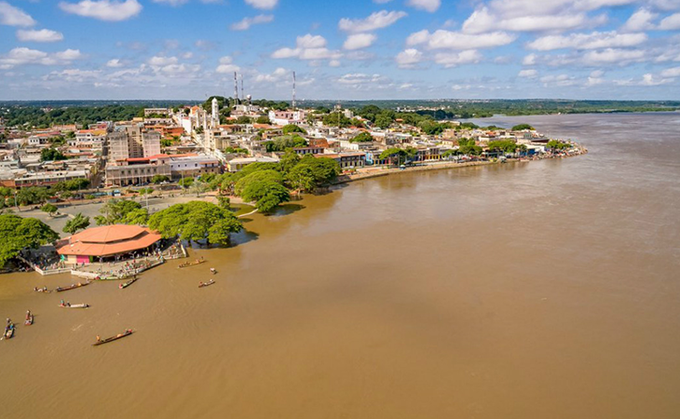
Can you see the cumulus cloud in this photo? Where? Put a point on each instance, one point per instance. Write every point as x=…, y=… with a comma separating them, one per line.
x=453, y=59
x=671, y=72
x=13, y=16
x=427, y=5
x=528, y=73
x=377, y=20
x=108, y=10
x=276, y=76
x=409, y=58
x=158, y=60
x=247, y=22
x=308, y=47
x=482, y=20
x=25, y=56
x=641, y=20
x=614, y=56
x=42, y=35
x=443, y=39
x=558, y=80
x=263, y=4
x=226, y=65
x=670, y=23
x=114, y=63
x=594, y=40
x=359, y=41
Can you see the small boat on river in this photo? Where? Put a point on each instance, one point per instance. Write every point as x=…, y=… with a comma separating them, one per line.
x=73, y=286
x=128, y=283
x=196, y=262
x=79, y=305
x=205, y=284
x=99, y=341
x=29, y=319
x=9, y=331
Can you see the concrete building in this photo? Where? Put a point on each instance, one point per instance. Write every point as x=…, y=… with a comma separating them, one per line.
x=193, y=165
x=290, y=117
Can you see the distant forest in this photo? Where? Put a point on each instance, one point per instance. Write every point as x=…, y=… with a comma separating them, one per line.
x=42, y=114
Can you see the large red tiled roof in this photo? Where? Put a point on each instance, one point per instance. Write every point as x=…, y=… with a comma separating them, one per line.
x=108, y=240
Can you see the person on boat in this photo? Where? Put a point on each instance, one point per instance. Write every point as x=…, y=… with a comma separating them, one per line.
x=99, y=339
x=68, y=304
x=28, y=314
x=35, y=289
x=200, y=284
x=61, y=303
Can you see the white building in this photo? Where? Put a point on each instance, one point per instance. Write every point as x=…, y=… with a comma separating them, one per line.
x=288, y=117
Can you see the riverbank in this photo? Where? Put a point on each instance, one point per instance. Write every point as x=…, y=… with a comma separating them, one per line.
x=368, y=173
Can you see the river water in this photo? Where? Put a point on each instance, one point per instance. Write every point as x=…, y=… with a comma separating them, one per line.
x=546, y=289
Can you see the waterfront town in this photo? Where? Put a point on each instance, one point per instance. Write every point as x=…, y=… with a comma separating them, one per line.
x=229, y=150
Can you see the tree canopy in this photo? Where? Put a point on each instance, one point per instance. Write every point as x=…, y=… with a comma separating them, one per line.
x=362, y=137
x=196, y=220
x=19, y=233
x=122, y=211
x=49, y=154
x=522, y=127
x=79, y=222
x=291, y=128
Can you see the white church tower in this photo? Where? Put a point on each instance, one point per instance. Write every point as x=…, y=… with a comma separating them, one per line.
x=215, y=114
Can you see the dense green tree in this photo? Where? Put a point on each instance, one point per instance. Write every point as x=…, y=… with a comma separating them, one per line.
x=159, y=179
x=266, y=194
x=19, y=233
x=506, y=146
x=383, y=121
x=122, y=211
x=362, y=137
x=289, y=160
x=32, y=195
x=196, y=220
x=79, y=222
x=291, y=128
x=285, y=142
x=467, y=146
x=49, y=209
x=312, y=172
x=522, y=127
x=50, y=154
x=258, y=176
x=336, y=119
x=263, y=119
x=557, y=145
x=186, y=182
x=243, y=120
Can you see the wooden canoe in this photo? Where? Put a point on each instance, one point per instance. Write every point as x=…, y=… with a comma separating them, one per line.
x=80, y=305
x=205, y=284
x=9, y=332
x=72, y=286
x=128, y=283
x=29, y=320
x=187, y=264
x=112, y=338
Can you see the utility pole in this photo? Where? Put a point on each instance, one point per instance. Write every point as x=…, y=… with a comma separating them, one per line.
x=235, y=89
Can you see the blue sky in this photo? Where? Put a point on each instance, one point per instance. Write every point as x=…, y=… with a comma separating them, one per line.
x=351, y=49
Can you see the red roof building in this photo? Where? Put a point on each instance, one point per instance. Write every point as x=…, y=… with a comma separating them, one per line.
x=106, y=241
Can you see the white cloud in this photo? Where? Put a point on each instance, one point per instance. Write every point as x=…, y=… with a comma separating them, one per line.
x=171, y=2
x=308, y=47
x=614, y=56
x=452, y=59
x=482, y=20
x=595, y=40
x=381, y=1
x=25, y=56
x=528, y=73
x=359, y=41
x=671, y=72
x=443, y=39
x=226, y=65
x=427, y=5
x=409, y=58
x=651, y=80
x=247, y=22
x=159, y=61
x=73, y=75
x=114, y=63
x=42, y=35
x=108, y=10
x=377, y=20
x=530, y=59
x=670, y=23
x=558, y=80
x=275, y=76
x=263, y=4
x=13, y=16
x=641, y=20
x=311, y=41
x=361, y=78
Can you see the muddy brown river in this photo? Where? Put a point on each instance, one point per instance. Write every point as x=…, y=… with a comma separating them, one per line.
x=547, y=289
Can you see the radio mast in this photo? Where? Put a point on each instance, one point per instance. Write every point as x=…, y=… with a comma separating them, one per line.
x=235, y=89
x=293, y=91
